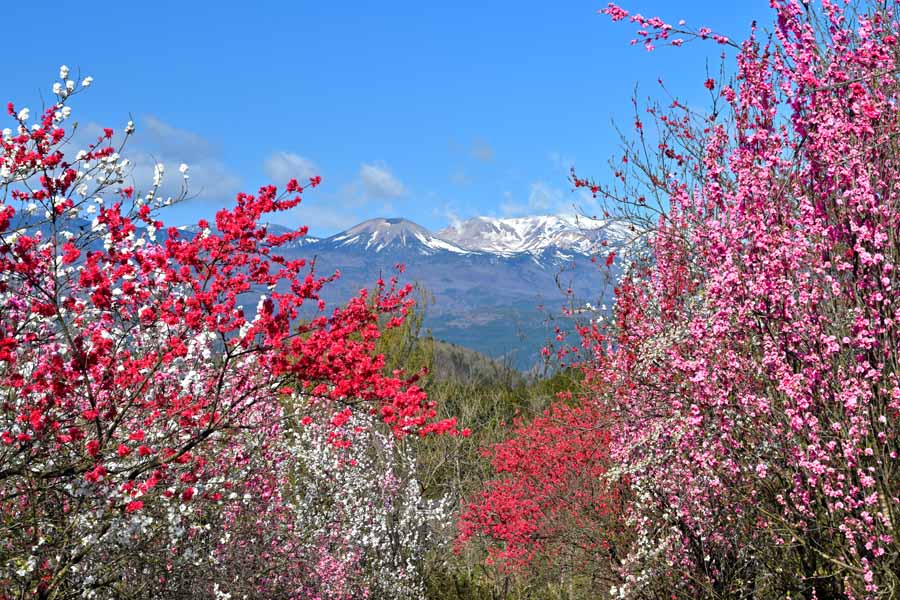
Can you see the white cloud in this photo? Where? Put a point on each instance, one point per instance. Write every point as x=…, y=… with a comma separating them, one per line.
x=323, y=220
x=172, y=141
x=379, y=182
x=545, y=199
x=281, y=167
x=448, y=212
x=209, y=178
x=156, y=141
x=561, y=161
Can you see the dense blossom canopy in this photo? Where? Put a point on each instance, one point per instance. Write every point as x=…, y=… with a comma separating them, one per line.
x=136, y=392
x=549, y=499
x=752, y=366
x=745, y=393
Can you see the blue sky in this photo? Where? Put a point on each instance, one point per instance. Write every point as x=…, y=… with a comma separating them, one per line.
x=430, y=111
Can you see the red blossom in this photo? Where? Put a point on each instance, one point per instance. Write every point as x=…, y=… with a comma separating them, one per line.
x=126, y=335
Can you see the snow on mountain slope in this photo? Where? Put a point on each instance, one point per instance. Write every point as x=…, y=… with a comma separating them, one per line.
x=542, y=237
x=378, y=234
x=534, y=234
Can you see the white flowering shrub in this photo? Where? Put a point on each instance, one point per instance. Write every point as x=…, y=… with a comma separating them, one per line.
x=359, y=501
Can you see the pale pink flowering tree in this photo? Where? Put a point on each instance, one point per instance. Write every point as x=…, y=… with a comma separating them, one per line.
x=752, y=368
x=311, y=519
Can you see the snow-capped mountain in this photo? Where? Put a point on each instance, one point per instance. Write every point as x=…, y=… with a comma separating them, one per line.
x=534, y=234
x=378, y=235
x=504, y=237
x=494, y=282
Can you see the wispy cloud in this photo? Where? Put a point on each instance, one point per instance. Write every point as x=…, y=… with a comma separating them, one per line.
x=169, y=140
x=281, y=167
x=448, y=212
x=379, y=183
x=323, y=219
x=510, y=208
x=157, y=142
x=546, y=199
x=561, y=161
x=480, y=149
x=460, y=177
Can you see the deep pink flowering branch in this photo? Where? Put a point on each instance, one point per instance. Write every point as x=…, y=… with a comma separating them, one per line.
x=654, y=29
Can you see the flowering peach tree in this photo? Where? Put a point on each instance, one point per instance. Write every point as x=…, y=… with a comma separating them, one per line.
x=548, y=506
x=316, y=520
x=751, y=372
x=138, y=396
x=365, y=500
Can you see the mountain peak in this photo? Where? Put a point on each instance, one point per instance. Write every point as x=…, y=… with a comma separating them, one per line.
x=506, y=237
x=382, y=233
x=530, y=234
x=383, y=224
x=397, y=221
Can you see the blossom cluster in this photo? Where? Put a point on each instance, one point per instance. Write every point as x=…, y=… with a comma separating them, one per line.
x=136, y=392
x=743, y=402
x=752, y=362
x=549, y=497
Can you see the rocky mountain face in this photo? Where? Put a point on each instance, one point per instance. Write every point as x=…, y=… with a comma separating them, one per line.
x=495, y=282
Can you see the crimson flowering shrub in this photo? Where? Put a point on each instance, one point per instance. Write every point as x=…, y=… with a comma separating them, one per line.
x=138, y=398
x=549, y=505
x=750, y=376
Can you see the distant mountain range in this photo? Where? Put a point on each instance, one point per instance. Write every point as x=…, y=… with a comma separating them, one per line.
x=495, y=281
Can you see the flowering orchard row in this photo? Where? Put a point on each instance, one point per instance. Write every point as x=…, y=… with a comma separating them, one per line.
x=150, y=428
x=736, y=434
x=749, y=382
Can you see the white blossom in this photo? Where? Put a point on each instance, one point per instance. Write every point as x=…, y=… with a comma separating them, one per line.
x=158, y=170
